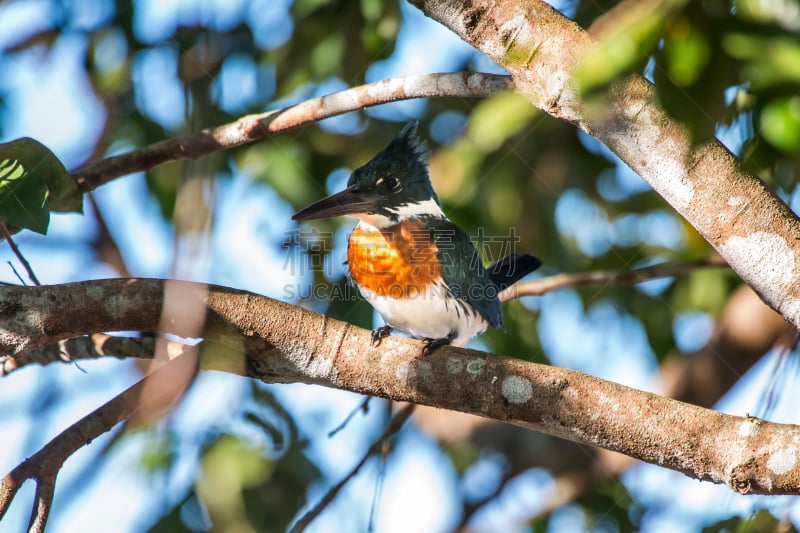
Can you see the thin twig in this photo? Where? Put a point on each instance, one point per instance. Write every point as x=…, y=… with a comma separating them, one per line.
x=394, y=426
x=608, y=277
x=7, y=236
x=257, y=126
x=14, y=270
x=363, y=407
x=470, y=508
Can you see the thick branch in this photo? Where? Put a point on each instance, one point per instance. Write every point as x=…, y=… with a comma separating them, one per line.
x=745, y=330
x=100, y=345
x=254, y=127
x=751, y=228
x=285, y=343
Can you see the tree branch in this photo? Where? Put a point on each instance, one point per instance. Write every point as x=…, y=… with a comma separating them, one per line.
x=42, y=502
x=257, y=126
x=285, y=343
x=86, y=347
x=14, y=248
x=100, y=345
x=607, y=277
x=750, y=227
x=44, y=465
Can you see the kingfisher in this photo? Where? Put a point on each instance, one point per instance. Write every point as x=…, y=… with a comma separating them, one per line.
x=418, y=269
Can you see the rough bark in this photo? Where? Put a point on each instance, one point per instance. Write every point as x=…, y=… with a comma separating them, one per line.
x=285, y=343
x=750, y=227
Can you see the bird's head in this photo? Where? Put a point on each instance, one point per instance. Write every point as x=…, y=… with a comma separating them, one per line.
x=394, y=185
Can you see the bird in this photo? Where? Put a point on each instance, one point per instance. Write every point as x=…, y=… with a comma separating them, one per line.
x=419, y=270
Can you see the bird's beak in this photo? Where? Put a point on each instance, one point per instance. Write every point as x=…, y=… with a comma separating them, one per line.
x=347, y=202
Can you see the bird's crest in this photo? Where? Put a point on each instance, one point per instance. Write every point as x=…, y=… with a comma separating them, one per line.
x=398, y=175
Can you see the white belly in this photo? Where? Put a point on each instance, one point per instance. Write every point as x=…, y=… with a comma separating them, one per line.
x=434, y=314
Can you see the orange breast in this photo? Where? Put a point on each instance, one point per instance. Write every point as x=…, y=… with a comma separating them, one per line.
x=399, y=261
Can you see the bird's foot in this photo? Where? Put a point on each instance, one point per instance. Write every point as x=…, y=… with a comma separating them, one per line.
x=431, y=344
x=379, y=333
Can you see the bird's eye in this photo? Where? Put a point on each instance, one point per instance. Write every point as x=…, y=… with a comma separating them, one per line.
x=391, y=184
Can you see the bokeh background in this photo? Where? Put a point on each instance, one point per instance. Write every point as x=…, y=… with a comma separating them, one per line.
x=93, y=78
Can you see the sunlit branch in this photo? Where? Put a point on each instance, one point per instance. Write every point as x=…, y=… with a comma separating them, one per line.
x=284, y=343
x=42, y=502
x=394, y=426
x=700, y=378
x=257, y=126
x=608, y=277
x=100, y=345
x=734, y=211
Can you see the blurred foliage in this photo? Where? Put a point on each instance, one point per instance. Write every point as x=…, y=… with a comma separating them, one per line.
x=760, y=522
x=609, y=507
x=700, y=55
x=243, y=484
x=723, y=67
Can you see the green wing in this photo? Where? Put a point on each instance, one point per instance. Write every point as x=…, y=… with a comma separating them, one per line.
x=463, y=270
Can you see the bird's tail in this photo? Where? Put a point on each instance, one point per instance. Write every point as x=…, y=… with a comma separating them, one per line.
x=512, y=268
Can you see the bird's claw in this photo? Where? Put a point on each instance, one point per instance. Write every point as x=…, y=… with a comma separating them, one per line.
x=378, y=334
x=429, y=345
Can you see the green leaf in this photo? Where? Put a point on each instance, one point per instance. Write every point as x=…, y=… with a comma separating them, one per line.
x=497, y=118
x=23, y=197
x=780, y=123
x=686, y=51
x=327, y=55
x=36, y=158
